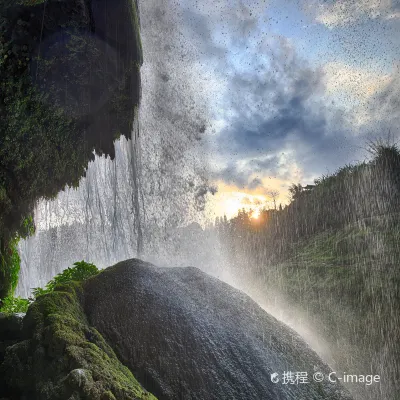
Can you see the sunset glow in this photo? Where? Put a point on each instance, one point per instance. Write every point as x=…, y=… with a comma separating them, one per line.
x=255, y=214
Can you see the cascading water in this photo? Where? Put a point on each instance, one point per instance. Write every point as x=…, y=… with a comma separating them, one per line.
x=133, y=205
x=149, y=201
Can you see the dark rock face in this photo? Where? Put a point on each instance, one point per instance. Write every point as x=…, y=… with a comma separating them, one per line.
x=186, y=335
x=69, y=86
x=10, y=331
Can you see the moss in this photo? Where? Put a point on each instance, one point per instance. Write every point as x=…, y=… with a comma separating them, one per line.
x=69, y=85
x=10, y=264
x=63, y=357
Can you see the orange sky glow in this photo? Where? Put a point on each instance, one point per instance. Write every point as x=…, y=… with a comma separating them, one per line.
x=230, y=199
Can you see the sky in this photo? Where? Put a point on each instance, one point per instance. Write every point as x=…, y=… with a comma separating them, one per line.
x=289, y=90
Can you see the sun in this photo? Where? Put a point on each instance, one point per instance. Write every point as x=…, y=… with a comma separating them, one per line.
x=255, y=214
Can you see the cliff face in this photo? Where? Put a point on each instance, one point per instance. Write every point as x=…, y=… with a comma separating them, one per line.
x=69, y=85
x=186, y=335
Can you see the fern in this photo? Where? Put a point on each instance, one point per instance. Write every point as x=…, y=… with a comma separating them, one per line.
x=79, y=272
x=11, y=305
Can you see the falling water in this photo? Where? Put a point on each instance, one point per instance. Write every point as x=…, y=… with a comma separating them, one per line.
x=149, y=201
x=134, y=205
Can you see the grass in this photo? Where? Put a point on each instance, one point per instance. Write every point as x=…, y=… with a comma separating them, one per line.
x=348, y=284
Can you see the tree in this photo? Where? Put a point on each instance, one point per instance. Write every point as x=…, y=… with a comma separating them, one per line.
x=274, y=194
x=295, y=191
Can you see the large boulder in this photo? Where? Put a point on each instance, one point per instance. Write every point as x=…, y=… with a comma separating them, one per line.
x=187, y=335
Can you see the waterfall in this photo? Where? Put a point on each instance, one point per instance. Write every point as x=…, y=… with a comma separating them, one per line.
x=134, y=205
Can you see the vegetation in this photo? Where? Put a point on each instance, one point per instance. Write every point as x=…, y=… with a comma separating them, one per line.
x=63, y=357
x=12, y=305
x=10, y=260
x=334, y=253
x=79, y=272
x=69, y=85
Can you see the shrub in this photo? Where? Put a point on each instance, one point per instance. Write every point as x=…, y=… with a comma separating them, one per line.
x=13, y=305
x=9, y=267
x=79, y=272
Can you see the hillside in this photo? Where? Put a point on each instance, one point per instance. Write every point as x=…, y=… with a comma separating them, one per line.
x=333, y=254
x=347, y=282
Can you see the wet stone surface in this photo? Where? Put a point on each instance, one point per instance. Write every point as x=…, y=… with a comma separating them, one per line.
x=187, y=335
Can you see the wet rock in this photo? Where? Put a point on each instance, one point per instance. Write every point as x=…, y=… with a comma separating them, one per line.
x=11, y=326
x=187, y=335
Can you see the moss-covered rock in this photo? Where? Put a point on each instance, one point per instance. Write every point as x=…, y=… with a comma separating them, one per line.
x=62, y=357
x=69, y=85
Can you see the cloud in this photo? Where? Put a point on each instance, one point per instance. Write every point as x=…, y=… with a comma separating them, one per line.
x=233, y=174
x=355, y=89
x=222, y=73
x=345, y=12
x=360, y=83
x=255, y=183
x=246, y=174
x=384, y=107
x=281, y=108
x=273, y=102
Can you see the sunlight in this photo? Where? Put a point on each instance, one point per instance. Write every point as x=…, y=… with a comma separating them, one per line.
x=255, y=214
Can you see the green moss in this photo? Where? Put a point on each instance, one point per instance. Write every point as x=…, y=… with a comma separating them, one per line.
x=9, y=267
x=61, y=101
x=64, y=357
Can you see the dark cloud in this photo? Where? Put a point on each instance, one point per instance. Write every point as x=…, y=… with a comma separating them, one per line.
x=255, y=183
x=266, y=164
x=280, y=108
x=274, y=102
x=233, y=175
x=273, y=99
x=242, y=175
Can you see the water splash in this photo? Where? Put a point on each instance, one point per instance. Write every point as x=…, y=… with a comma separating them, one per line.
x=132, y=205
